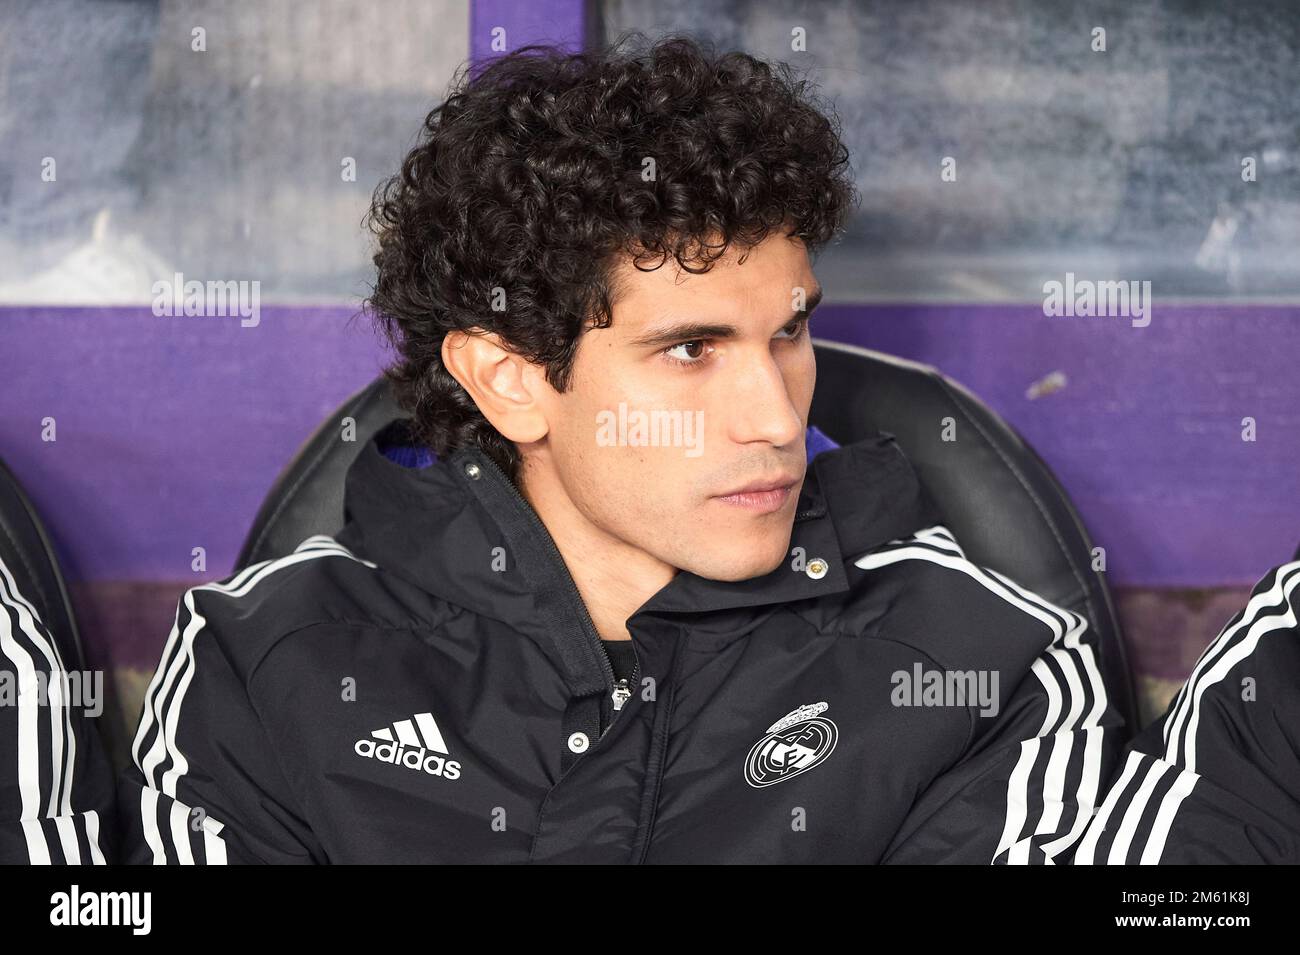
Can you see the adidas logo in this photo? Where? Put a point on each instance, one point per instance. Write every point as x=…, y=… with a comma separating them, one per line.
x=415, y=743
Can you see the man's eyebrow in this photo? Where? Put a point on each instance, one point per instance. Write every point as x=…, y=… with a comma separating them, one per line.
x=693, y=331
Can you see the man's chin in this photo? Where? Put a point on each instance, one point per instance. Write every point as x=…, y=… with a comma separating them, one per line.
x=732, y=568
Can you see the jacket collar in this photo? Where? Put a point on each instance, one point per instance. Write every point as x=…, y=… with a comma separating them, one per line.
x=854, y=499
x=439, y=527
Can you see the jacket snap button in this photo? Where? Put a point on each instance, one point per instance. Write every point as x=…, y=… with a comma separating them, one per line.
x=473, y=470
x=578, y=743
x=816, y=568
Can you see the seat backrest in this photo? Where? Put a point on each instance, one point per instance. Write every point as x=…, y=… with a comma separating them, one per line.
x=26, y=550
x=994, y=492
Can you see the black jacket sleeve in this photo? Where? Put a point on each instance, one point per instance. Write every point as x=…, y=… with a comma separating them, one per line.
x=205, y=785
x=1217, y=778
x=56, y=788
x=1024, y=789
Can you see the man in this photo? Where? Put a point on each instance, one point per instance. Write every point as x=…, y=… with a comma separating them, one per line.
x=607, y=597
x=622, y=617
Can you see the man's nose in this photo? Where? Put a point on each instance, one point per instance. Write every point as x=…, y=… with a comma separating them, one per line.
x=762, y=409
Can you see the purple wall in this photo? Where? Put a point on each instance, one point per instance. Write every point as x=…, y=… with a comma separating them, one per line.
x=1146, y=434
x=171, y=430
x=546, y=21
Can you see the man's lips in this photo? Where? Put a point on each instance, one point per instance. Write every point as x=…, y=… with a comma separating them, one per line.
x=774, y=483
x=763, y=497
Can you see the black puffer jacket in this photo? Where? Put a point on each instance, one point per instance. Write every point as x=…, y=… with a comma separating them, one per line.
x=428, y=687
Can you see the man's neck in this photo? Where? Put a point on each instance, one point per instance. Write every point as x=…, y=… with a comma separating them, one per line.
x=613, y=577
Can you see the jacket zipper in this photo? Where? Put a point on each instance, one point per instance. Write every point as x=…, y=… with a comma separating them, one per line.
x=623, y=687
x=619, y=690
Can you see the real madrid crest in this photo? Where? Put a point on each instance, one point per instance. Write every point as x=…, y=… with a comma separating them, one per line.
x=794, y=744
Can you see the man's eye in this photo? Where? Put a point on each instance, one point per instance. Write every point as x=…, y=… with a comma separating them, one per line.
x=688, y=353
x=794, y=329
x=696, y=351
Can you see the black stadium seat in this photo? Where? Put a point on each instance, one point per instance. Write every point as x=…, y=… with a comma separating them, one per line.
x=25, y=548
x=998, y=497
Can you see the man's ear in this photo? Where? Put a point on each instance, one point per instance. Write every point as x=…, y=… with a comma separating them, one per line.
x=502, y=383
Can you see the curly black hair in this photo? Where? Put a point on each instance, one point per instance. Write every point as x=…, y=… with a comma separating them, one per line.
x=536, y=176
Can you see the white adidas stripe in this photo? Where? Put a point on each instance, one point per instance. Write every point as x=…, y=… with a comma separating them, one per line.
x=1257, y=603
x=149, y=822
x=1088, y=847
x=1133, y=815
x=1127, y=833
x=62, y=768
x=1253, y=607
x=179, y=816
x=1213, y=666
x=92, y=836
x=1089, y=789
x=1180, y=790
x=29, y=756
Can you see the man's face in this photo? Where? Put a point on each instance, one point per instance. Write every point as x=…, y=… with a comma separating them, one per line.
x=682, y=431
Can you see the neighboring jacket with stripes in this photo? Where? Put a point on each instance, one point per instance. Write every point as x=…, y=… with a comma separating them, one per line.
x=1217, y=778
x=56, y=787
x=428, y=687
